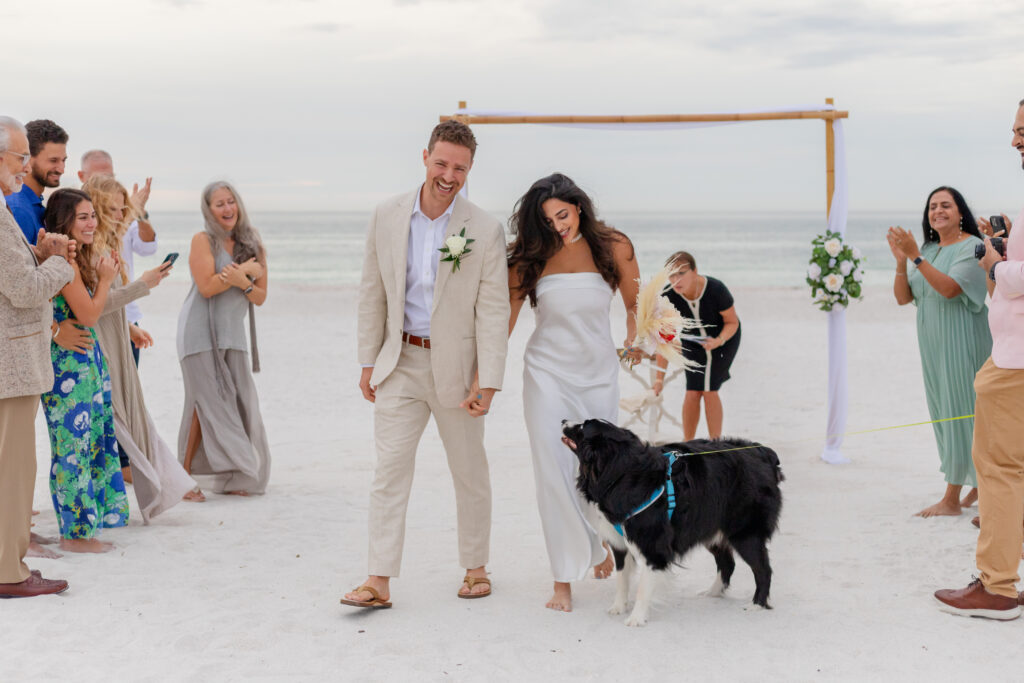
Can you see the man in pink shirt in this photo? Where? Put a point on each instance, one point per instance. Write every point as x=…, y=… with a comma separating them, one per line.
x=998, y=448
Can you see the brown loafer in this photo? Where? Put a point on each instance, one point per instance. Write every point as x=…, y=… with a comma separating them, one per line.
x=32, y=586
x=975, y=601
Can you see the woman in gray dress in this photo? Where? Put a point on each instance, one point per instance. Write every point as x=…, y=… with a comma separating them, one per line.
x=222, y=440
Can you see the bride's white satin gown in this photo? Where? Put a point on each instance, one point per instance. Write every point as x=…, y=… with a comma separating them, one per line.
x=571, y=373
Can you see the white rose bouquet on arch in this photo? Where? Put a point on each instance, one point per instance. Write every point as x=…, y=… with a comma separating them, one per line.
x=834, y=271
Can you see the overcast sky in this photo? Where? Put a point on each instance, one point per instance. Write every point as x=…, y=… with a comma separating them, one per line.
x=327, y=104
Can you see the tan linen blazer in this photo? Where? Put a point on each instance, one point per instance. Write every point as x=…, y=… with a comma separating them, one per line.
x=469, y=318
x=26, y=312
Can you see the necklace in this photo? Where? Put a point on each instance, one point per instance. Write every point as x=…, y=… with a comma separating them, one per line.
x=577, y=238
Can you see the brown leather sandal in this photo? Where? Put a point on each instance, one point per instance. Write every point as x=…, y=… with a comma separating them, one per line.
x=376, y=601
x=471, y=581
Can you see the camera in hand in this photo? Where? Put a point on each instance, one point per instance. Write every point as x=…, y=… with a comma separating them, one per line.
x=998, y=243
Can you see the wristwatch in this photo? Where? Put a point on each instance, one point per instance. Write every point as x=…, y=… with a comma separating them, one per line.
x=917, y=261
x=992, y=272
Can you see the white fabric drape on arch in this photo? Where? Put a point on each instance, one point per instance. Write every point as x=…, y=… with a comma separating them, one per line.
x=837, y=379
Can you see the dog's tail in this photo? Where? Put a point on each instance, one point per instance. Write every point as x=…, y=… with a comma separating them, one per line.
x=773, y=457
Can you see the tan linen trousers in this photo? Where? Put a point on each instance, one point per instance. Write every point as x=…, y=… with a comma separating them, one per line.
x=17, y=481
x=404, y=402
x=998, y=453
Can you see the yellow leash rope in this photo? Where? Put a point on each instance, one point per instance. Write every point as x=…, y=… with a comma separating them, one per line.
x=829, y=436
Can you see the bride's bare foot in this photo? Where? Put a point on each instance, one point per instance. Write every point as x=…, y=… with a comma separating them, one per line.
x=970, y=499
x=243, y=494
x=940, y=509
x=85, y=545
x=561, y=601
x=195, y=496
x=604, y=570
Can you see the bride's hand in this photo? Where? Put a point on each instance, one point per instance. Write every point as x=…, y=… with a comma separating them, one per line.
x=631, y=354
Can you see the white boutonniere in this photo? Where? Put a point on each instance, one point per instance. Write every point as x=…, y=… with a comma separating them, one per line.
x=455, y=248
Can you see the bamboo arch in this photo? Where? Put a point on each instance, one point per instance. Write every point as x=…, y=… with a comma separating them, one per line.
x=837, y=399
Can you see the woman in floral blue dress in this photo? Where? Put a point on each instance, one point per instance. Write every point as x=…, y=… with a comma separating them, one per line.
x=85, y=476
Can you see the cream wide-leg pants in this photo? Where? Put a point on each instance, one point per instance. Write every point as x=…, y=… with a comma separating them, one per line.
x=404, y=403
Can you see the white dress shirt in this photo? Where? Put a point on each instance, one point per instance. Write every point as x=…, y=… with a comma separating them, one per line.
x=426, y=237
x=133, y=244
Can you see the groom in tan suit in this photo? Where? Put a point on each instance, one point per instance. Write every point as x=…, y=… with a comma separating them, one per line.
x=426, y=327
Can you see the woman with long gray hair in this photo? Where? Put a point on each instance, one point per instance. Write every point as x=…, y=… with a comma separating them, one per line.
x=222, y=440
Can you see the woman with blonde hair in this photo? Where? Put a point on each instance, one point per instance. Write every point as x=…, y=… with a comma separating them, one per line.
x=222, y=434
x=159, y=480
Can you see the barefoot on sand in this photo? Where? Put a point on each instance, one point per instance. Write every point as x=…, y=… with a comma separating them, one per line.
x=85, y=545
x=37, y=550
x=194, y=496
x=561, y=601
x=941, y=509
x=970, y=499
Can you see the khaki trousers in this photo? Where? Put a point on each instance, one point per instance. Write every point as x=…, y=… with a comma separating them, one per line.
x=404, y=403
x=17, y=481
x=998, y=453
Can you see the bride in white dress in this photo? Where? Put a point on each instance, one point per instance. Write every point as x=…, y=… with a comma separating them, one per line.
x=568, y=264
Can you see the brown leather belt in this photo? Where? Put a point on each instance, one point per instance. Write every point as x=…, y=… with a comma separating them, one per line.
x=422, y=342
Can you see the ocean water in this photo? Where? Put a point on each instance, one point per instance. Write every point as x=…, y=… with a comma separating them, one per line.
x=741, y=249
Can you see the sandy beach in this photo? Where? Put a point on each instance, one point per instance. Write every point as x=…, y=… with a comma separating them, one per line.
x=239, y=589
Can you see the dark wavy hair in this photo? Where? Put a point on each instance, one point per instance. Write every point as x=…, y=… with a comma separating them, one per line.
x=61, y=208
x=41, y=131
x=535, y=241
x=967, y=224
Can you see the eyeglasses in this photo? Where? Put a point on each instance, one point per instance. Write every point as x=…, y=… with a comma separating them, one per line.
x=24, y=157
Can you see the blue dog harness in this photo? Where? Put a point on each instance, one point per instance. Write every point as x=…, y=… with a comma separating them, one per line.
x=669, y=488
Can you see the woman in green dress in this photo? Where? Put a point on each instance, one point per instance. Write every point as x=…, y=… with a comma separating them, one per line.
x=85, y=476
x=948, y=289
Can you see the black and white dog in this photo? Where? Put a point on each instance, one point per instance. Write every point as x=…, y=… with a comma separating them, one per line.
x=658, y=502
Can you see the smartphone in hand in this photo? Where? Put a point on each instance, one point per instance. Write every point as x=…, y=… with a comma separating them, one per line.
x=998, y=224
x=169, y=260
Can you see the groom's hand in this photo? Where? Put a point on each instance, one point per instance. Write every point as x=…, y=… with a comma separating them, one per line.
x=478, y=402
x=369, y=392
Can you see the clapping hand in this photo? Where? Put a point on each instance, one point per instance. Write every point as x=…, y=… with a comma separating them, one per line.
x=902, y=243
x=141, y=196
x=53, y=244
x=107, y=267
